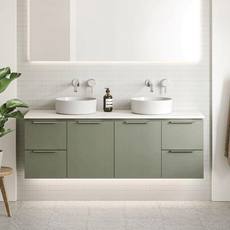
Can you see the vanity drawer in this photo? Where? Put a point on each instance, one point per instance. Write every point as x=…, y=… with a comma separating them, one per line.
x=182, y=164
x=45, y=164
x=182, y=134
x=45, y=134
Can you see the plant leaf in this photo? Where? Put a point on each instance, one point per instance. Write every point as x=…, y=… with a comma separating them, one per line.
x=13, y=103
x=6, y=79
x=16, y=114
x=4, y=111
x=4, y=72
x=2, y=123
x=6, y=132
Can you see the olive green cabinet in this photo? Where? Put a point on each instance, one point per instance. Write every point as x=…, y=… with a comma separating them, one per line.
x=49, y=134
x=137, y=149
x=182, y=149
x=114, y=148
x=185, y=134
x=182, y=164
x=45, y=149
x=90, y=149
x=45, y=164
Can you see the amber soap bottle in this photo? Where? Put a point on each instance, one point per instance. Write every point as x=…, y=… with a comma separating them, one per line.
x=108, y=101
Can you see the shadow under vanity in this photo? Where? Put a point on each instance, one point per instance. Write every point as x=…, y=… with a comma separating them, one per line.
x=113, y=145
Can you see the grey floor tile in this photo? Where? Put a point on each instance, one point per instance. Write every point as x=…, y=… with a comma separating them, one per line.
x=107, y=204
x=214, y=215
x=70, y=205
x=142, y=213
x=95, y=223
x=68, y=219
x=38, y=213
x=37, y=205
x=210, y=205
x=183, y=214
x=68, y=224
x=5, y=221
x=215, y=220
x=188, y=224
x=77, y=227
x=176, y=204
x=29, y=223
x=13, y=204
x=141, y=204
x=69, y=215
x=180, y=216
x=106, y=215
x=129, y=215
x=144, y=224
x=14, y=207
x=217, y=227
x=27, y=217
x=142, y=210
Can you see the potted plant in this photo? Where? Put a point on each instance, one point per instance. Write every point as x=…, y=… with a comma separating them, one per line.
x=8, y=109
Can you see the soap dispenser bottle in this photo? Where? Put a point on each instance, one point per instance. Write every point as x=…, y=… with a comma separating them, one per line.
x=108, y=101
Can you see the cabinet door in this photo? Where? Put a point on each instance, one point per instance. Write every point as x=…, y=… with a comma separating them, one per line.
x=45, y=164
x=182, y=134
x=138, y=149
x=48, y=134
x=90, y=149
x=182, y=164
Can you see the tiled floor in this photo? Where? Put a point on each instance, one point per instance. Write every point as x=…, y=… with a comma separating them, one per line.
x=101, y=215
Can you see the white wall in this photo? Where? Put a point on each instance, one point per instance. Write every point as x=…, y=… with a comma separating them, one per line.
x=8, y=56
x=221, y=93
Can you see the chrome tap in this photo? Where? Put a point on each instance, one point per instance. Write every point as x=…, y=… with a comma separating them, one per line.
x=91, y=83
x=149, y=83
x=75, y=83
x=165, y=83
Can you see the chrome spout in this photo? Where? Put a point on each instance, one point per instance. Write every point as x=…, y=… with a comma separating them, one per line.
x=75, y=83
x=149, y=83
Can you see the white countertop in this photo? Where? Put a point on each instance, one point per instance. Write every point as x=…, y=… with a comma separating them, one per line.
x=116, y=114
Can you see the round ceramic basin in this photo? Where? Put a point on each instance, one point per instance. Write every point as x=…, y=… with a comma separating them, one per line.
x=151, y=105
x=76, y=105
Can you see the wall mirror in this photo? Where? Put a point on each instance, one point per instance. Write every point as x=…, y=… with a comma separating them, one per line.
x=114, y=30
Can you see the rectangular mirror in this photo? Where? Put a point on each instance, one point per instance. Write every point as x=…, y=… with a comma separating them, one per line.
x=115, y=30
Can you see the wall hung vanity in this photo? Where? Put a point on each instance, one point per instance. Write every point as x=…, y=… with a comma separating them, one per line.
x=113, y=145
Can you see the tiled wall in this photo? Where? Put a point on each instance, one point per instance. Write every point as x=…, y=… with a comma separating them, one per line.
x=190, y=88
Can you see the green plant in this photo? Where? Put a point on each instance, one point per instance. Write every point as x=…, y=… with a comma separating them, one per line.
x=8, y=109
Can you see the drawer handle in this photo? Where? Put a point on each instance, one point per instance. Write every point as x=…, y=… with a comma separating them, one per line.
x=181, y=122
x=181, y=150
x=89, y=122
x=44, y=151
x=136, y=122
x=44, y=122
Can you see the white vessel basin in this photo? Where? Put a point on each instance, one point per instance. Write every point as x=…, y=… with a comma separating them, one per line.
x=151, y=105
x=75, y=105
